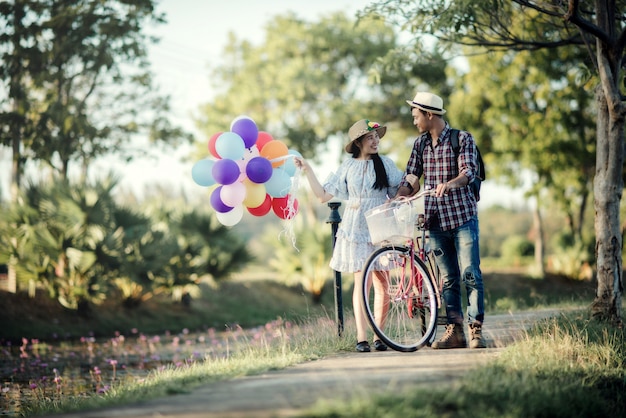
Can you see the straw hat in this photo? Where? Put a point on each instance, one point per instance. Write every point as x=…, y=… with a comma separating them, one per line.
x=428, y=102
x=361, y=128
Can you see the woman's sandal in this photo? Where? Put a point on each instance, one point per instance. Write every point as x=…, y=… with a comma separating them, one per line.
x=363, y=347
x=379, y=345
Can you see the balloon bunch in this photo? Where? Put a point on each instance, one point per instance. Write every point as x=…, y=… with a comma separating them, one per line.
x=251, y=169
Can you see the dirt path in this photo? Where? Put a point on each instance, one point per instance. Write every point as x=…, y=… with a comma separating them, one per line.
x=287, y=392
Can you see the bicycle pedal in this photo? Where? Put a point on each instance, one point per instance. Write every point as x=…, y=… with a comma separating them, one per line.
x=442, y=320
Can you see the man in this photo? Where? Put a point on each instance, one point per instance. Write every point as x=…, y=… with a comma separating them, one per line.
x=451, y=215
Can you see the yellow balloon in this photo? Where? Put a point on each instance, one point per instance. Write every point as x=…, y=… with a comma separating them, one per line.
x=255, y=194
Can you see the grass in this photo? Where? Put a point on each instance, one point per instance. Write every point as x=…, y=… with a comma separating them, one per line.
x=564, y=367
x=232, y=330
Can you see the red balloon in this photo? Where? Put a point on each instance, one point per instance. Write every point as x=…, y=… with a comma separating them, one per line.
x=262, y=139
x=212, y=149
x=263, y=208
x=279, y=205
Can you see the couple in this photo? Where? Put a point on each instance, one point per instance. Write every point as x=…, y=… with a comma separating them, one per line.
x=368, y=180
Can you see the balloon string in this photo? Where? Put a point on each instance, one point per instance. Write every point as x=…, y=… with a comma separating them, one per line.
x=283, y=158
x=290, y=211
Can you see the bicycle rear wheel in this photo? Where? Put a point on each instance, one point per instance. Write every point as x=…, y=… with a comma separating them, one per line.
x=408, y=310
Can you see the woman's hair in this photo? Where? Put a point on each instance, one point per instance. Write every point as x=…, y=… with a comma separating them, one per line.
x=381, y=174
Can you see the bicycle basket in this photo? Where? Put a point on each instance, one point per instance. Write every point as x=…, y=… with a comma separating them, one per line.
x=391, y=222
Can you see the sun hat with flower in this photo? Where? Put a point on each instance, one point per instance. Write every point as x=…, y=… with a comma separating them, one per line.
x=361, y=128
x=427, y=102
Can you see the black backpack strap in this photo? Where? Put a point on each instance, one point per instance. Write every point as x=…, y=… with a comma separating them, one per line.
x=454, y=141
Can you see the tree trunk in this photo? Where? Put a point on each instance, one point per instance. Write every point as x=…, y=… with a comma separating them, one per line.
x=608, y=186
x=540, y=267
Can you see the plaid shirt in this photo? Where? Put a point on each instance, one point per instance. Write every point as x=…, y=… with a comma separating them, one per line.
x=439, y=166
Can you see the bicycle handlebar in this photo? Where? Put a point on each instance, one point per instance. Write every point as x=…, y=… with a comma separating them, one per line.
x=427, y=192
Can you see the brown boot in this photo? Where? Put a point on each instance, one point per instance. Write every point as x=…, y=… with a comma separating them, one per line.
x=476, y=336
x=454, y=337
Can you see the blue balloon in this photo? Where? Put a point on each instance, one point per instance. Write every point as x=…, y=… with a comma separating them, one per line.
x=290, y=165
x=279, y=184
x=202, y=173
x=230, y=145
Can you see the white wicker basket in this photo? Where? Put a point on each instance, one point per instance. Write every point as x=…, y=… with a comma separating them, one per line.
x=391, y=222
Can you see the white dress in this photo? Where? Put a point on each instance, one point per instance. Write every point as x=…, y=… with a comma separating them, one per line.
x=354, y=183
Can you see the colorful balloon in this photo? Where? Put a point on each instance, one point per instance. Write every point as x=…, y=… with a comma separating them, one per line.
x=280, y=206
x=246, y=129
x=225, y=171
x=230, y=145
x=212, y=140
x=273, y=150
x=263, y=208
x=259, y=170
x=290, y=164
x=231, y=217
x=255, y=194
x=202, y=172
x=262, y=139
x=216, y=201
x=279, y=184
x=233, y=194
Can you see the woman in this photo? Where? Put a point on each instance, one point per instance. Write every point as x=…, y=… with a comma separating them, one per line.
x=365, y=180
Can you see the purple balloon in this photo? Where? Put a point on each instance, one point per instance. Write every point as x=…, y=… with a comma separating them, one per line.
x=216, y=201
x=225, y=171
x=246, y=129
x=259, y=169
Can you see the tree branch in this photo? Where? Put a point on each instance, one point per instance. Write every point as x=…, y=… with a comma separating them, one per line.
x=573, y=16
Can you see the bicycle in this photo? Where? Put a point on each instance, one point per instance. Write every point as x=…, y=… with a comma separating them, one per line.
x=410, y=280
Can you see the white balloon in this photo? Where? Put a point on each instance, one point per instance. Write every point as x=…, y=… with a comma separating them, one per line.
x=232, y=217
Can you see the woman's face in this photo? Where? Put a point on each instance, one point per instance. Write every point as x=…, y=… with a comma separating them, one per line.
x=369, y=143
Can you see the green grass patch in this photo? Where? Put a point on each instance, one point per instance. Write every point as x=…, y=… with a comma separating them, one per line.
x=565, y=367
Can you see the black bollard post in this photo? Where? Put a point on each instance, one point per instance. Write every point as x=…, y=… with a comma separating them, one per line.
x=335, y=219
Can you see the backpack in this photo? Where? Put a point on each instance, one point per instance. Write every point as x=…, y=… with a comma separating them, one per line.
x=479, y=177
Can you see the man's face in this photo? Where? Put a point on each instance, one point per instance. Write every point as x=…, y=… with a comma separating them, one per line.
x=420, y=120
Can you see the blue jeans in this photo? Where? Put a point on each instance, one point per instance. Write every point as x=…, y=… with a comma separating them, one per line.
x=457, y=251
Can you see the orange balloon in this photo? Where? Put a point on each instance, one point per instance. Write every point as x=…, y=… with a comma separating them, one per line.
x=275, y=149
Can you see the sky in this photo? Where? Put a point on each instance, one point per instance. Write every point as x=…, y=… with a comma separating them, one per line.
x=191, y=42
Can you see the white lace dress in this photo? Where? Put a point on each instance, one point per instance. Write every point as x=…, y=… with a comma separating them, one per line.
x=353, y=182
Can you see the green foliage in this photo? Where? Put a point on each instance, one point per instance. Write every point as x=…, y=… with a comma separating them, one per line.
x=303, y=260
x=497, y=223
x=79, y=244
x=77, y=83
x=515, y=246
x=308, y=81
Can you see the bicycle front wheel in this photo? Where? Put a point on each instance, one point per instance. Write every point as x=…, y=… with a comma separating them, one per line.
x=399, y=298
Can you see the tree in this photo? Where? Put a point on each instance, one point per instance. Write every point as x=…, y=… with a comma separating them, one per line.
x=77, y=81
x=533, y=113
x=308, y=81
x=551, y=25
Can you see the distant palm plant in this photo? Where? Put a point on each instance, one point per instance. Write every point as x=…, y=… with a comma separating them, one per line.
x=59, y=233
x=79, y=244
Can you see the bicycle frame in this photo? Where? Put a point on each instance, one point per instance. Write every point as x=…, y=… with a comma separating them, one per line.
x=408, y=317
